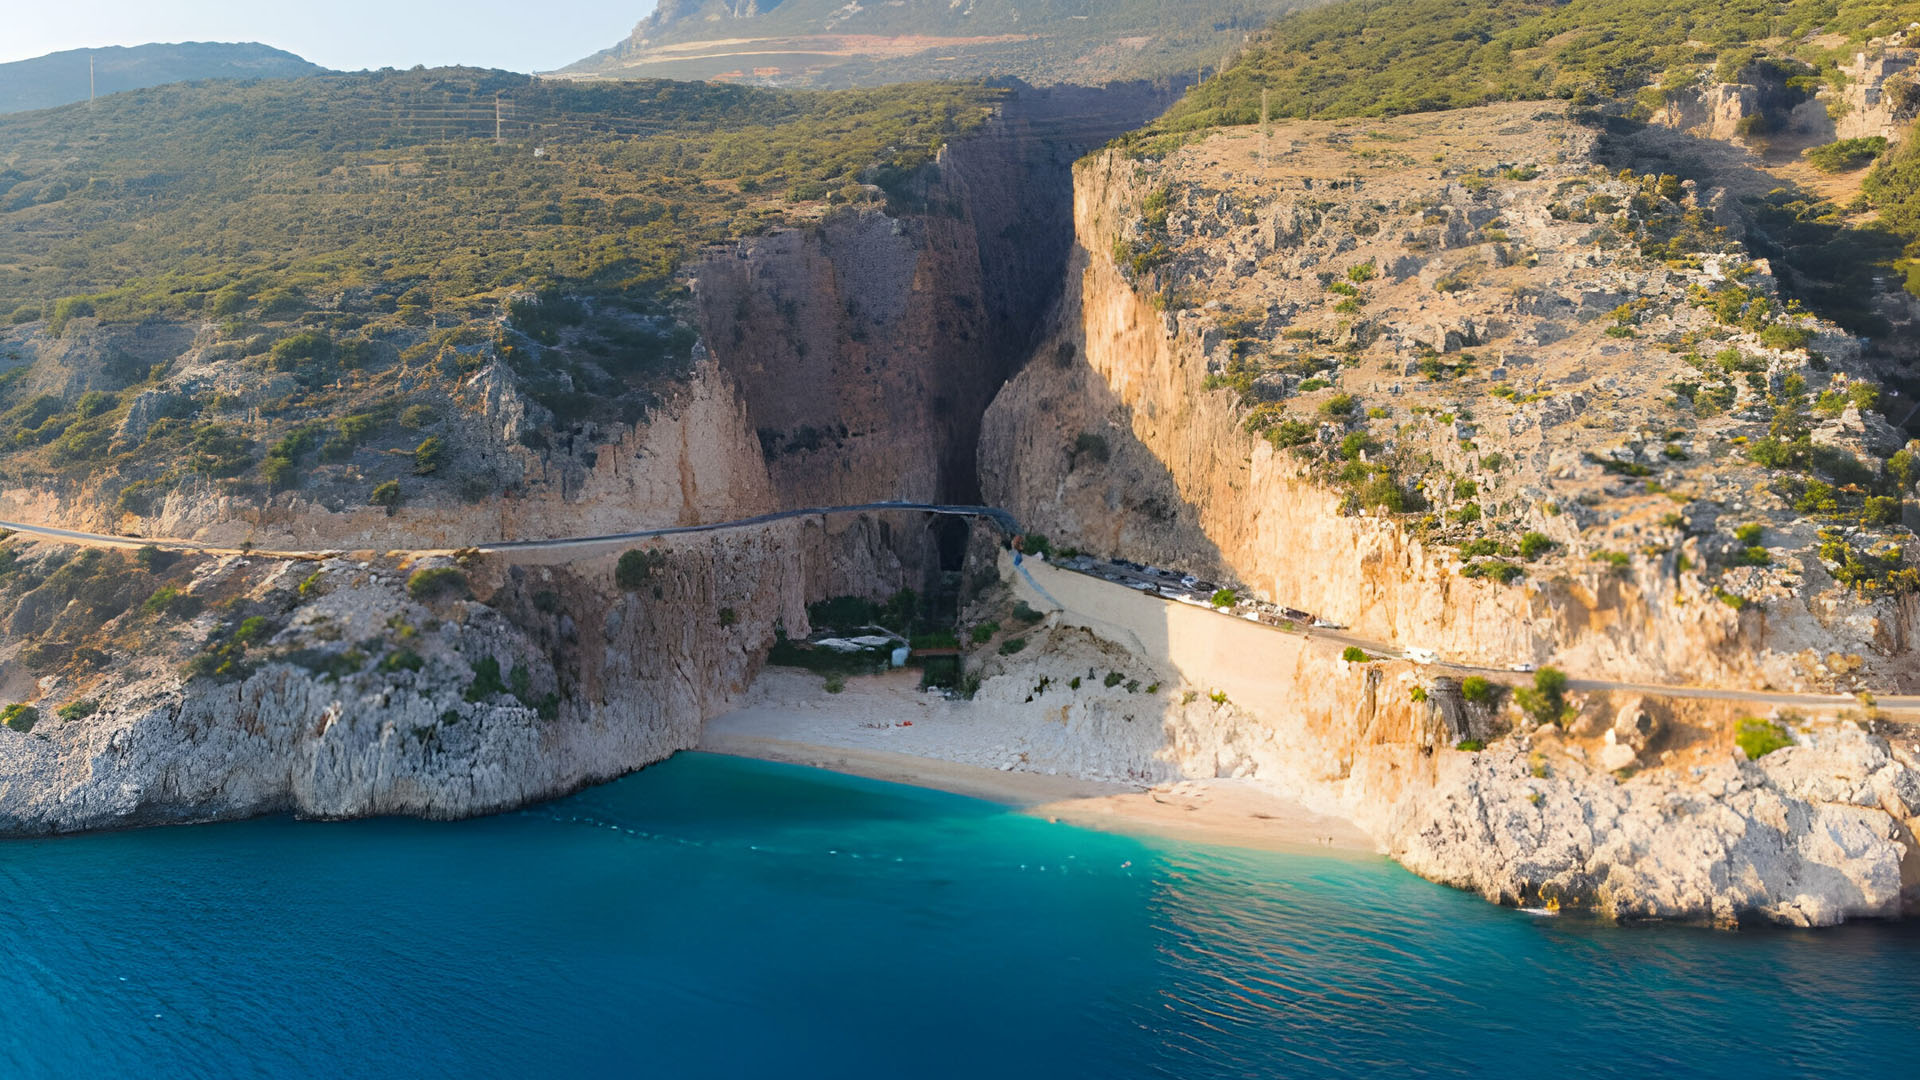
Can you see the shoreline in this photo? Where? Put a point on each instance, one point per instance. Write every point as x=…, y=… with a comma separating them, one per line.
x=784, y=722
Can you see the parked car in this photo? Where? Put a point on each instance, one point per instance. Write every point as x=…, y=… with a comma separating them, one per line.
x=1328, y=624
x=1421, y=655
x=1189, y=581
x=1522, y=666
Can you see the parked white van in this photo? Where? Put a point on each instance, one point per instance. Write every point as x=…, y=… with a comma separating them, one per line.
x=1421, y=655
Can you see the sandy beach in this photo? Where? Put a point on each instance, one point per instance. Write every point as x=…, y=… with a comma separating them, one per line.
x=884, y=728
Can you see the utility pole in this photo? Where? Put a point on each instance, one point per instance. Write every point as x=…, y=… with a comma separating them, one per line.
x=90, y=84
x=496, y=119
x=1266, y=126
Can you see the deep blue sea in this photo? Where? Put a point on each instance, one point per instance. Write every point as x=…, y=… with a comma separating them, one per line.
x=719, y=917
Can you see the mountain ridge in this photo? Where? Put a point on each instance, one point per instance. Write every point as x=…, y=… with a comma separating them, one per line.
x=61, y=78
x=828, y=44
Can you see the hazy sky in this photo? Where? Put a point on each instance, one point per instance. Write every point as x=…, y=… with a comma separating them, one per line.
x=528, y=35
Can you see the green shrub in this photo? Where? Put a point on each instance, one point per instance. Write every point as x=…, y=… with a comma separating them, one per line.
x=1338, y=405
x=1480, y=690
x=79, y=710
x=1092, y=445
x=219, y=660
x=1418, y=695
x=1880, y=510
x=386, y=495
x=1846, y=154
x=401, y=660
x=1354, y=654
x=486, y=680
x=1026, y=613
x=20, y=717
x=1546, y=699
x=1224, y=598
x=1535, y=544
x=252, y=629
x=984, y=632
x=429, y=456
x=1471, y=746
x=638, y=566
x=437, y=582
x=1785, y=336
x=1750, y=533
x=1035, y=544
x=1012, y=645
x=169, y=600
x=1113, y=679
x=1757, y=738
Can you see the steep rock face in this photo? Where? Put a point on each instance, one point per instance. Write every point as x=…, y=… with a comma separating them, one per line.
x=590, y=681
x=1880, y=96
x=1120, y=438
x=1184, y=485
x=843, y=364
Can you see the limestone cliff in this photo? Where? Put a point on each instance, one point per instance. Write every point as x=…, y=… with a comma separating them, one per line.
x=1532, y=394
x=1407, y=376
x=843, y=363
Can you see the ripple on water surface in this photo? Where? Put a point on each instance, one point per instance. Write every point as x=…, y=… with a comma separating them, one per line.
x=719, y=917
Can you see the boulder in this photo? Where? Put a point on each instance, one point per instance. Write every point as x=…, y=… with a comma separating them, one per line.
x=1633, y=726
x=1617, y=755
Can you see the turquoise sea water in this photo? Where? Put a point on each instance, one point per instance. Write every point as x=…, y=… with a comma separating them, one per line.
x=718, y=917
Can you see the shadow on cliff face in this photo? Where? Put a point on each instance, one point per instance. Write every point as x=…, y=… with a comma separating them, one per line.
x=1060, y=439
x=868, y=349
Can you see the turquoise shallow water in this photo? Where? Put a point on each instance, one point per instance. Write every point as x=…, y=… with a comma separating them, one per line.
x=718, y=917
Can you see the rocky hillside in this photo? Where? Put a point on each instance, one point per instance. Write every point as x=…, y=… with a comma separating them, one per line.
x=824, y=43
x=840, y=351
x=1530, y=407
x=62, y=77
x=1632, y=807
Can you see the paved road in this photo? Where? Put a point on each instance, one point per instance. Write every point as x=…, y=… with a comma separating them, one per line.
x=1127, y=577
x=1006, y=522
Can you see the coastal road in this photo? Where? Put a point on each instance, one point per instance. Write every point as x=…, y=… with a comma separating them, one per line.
x=1121, y=576
x=1001, y=518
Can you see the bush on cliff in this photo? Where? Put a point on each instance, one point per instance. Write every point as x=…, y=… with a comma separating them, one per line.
x=429, y=456
x=1546, y=699
x=1757, y=738
x=440, y=581
x=637, y=567
x=1480, y=690
x=20, y=717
